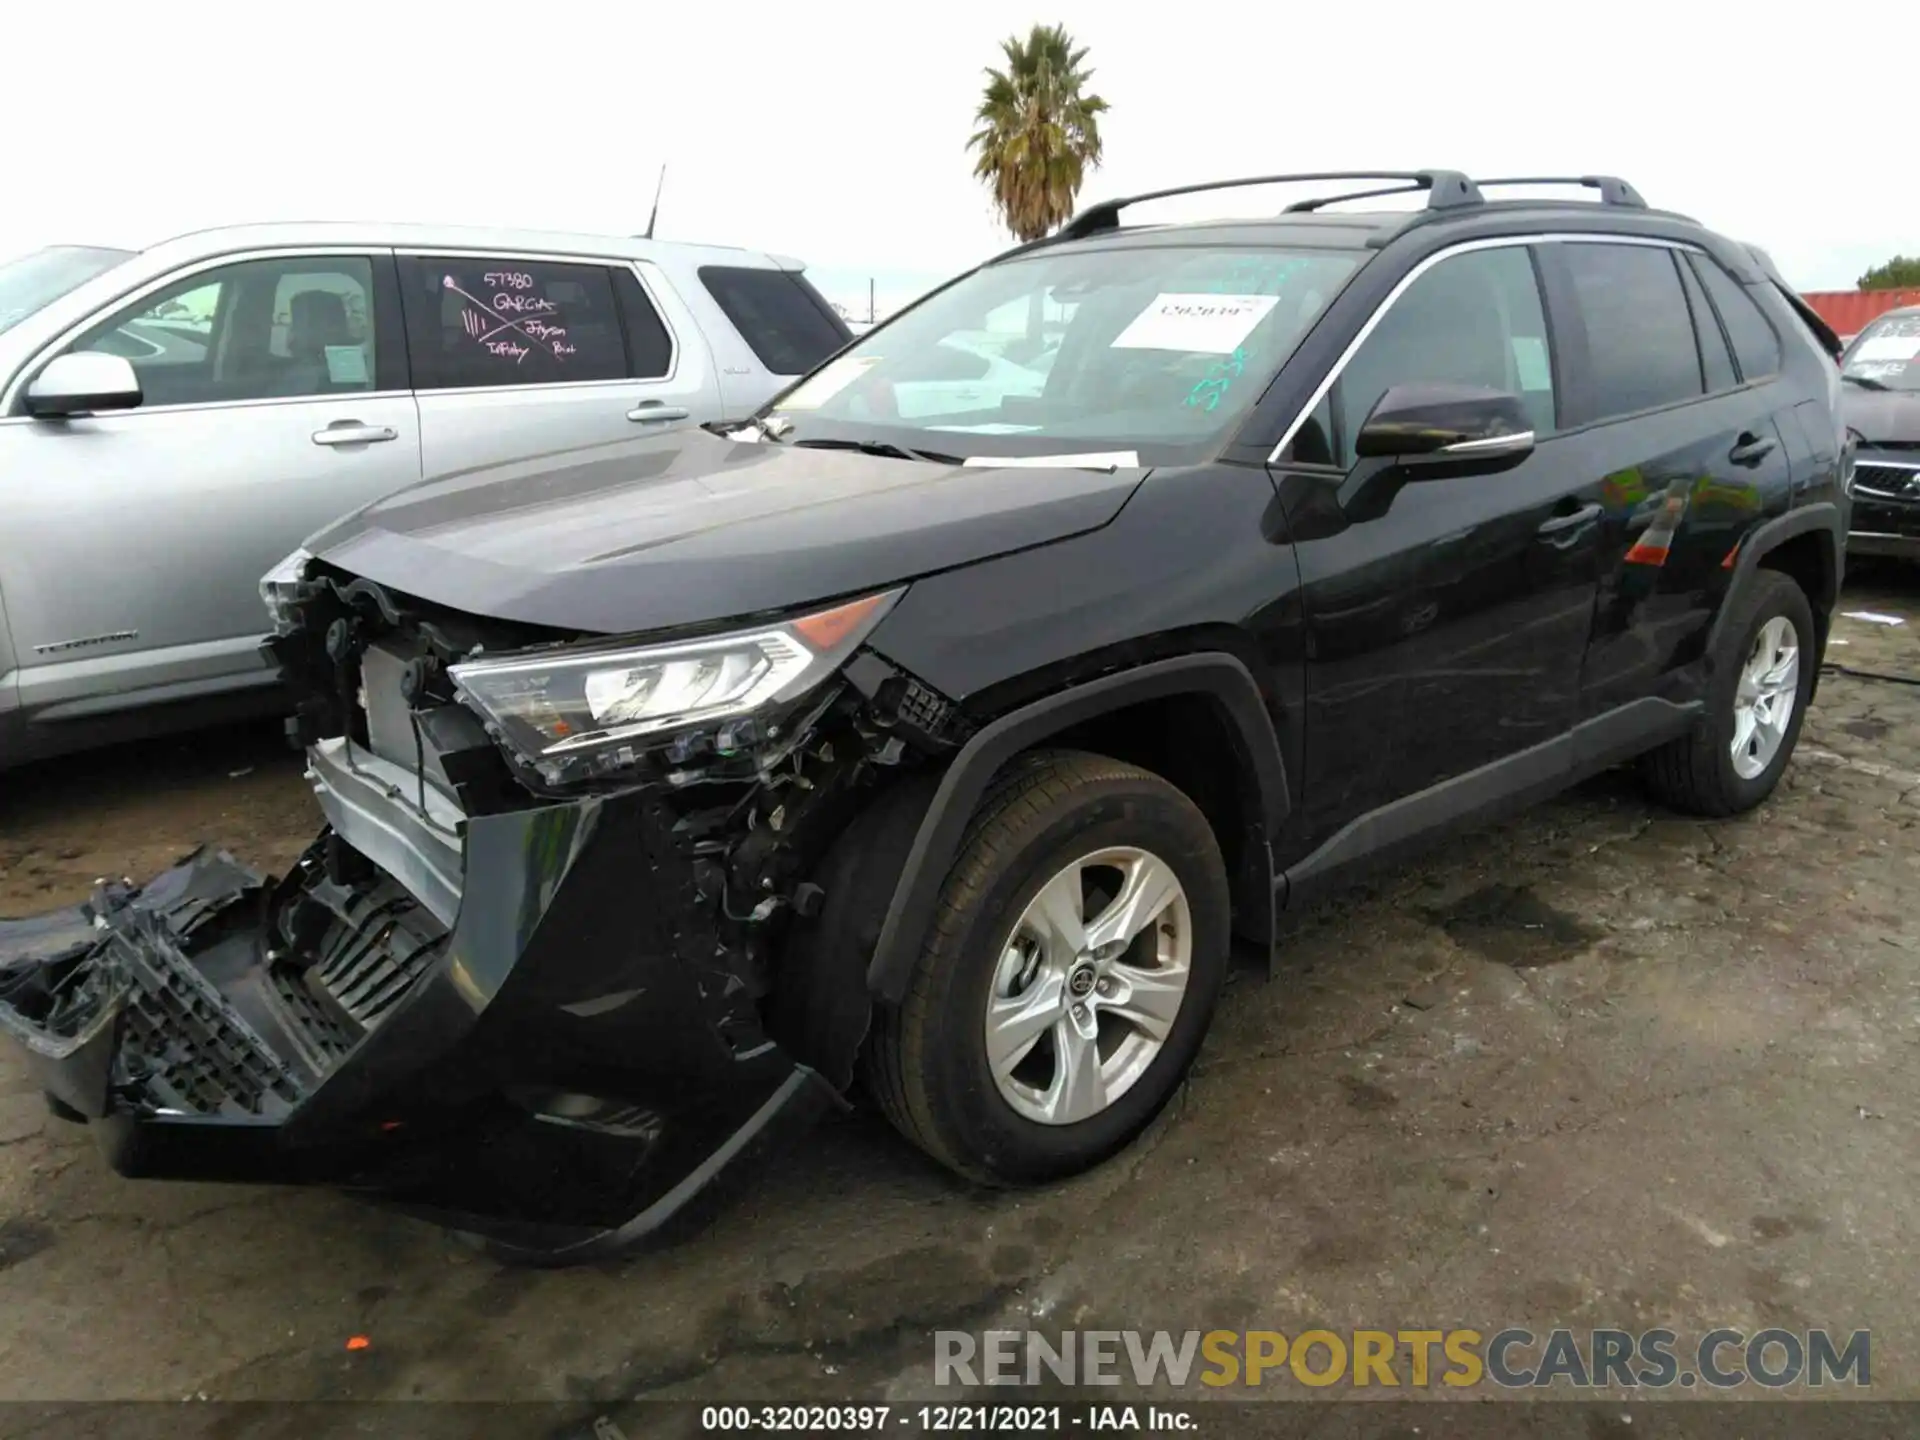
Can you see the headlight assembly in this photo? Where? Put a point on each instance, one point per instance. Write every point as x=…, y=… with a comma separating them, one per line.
x=575, y=712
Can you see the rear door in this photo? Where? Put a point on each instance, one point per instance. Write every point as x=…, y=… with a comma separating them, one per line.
x=522, y=355
x=1685, y=451
x=1446, y=618
x=275, y=399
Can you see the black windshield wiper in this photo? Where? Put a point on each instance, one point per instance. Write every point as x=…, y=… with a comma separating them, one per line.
x=879, y=447
x=1865, y=382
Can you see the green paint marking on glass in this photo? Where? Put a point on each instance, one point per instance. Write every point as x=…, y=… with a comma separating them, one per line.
x=1253, y=277
x=1206, y=395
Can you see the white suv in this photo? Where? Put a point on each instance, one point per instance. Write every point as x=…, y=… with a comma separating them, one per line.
x=174, y=421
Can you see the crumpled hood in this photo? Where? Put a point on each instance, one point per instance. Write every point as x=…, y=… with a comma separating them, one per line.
x=1883, y=417
x=677, y=530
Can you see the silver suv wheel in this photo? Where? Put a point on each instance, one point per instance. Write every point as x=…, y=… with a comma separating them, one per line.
x=1088, y=985
x=1764, y=697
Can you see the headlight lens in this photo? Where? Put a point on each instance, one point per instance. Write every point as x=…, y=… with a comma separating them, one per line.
x=278, y=585
x=568, y=706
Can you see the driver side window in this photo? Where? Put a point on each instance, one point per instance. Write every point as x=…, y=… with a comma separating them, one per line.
x=1473, y=319
x=254, y=330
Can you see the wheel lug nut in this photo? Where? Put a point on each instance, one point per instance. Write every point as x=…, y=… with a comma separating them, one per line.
x=1079, y=1012
x=1105, y=987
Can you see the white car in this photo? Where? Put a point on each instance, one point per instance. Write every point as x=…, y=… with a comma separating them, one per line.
x=174, y=421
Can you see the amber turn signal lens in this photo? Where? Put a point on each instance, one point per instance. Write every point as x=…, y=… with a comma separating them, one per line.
x=828, y=628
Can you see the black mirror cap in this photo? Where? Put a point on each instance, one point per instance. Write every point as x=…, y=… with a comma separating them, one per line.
x=1438, y=418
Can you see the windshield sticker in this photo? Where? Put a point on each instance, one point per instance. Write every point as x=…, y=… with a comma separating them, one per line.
x=830, y=381
x=1195, y=323
x=1206, y=395
x=1103, y=460
x=1888, y=347
x=346, y=365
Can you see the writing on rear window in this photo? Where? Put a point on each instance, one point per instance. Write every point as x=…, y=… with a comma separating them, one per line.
x=513, y=323
x=497, y=322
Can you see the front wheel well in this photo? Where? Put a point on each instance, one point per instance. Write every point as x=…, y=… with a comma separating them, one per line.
x=1188, y=741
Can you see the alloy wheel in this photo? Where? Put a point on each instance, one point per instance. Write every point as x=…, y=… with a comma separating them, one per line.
x=1764, y=698
x=1089, y=985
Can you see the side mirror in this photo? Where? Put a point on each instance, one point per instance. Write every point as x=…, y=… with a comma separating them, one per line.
x=1454, y=428
x=82, y=383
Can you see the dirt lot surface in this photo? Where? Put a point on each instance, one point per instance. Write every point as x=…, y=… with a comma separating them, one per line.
x=1597, y=1067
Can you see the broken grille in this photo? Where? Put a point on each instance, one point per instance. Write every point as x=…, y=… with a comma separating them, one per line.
x=182, y=1043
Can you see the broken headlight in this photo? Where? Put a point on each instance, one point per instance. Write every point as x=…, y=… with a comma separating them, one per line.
x=577, y=712
x=279, y=585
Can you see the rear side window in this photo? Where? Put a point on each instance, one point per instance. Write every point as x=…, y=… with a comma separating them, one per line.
x=500, y=321
x=648, y=343
x=1640, y=344
x=1755, y=345
x=1715, y=358
x=780, y=316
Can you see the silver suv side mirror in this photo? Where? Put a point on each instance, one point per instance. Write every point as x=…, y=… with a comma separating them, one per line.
x=82, y=383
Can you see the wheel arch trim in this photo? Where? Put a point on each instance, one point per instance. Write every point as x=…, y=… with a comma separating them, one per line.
x=1216, y=675
x=1820, y=517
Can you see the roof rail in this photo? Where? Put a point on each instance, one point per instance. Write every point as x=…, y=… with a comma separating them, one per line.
x=1446, y=190
x=1613, y=190
x=1304, y=207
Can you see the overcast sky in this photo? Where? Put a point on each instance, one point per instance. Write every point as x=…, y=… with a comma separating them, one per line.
x=835, y=130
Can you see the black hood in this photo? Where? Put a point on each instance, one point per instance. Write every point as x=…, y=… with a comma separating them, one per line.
x=682, y=529
x=1883, y=417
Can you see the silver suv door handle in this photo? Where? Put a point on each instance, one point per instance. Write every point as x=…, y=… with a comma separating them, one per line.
x=652, y=412
x=352, y=432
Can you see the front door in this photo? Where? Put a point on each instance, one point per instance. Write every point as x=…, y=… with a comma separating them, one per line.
x=274, y=400
x=1446, y=618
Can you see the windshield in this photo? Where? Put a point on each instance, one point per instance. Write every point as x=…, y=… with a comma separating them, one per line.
x=1886, y=353
x=38, y=279
x=1147, y=355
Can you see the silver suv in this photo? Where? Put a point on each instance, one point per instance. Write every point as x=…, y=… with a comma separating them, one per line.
x=174, y=421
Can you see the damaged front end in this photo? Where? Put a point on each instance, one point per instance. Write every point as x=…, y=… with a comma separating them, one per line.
x=553, y=968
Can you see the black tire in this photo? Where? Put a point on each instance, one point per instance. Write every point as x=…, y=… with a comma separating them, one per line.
x=926, y=1061
x=1695, y=773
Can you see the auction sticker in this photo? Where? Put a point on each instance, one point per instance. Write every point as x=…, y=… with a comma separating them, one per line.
x=1196, y=323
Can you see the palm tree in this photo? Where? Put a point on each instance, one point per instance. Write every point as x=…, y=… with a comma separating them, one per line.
x=1039, y=131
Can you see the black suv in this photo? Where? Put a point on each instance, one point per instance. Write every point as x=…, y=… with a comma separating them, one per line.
x=940, y=727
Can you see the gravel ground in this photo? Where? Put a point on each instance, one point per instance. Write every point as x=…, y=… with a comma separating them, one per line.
x=1600, y=1066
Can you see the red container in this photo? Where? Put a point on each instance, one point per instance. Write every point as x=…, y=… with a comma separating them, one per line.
x=1850, y=311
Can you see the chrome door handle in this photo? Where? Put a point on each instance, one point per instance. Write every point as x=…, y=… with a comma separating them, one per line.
x=1554, y=524
x=352, y=432
x=1751, y=450
x=653, y=412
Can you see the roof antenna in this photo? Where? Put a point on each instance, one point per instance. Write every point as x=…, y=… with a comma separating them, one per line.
x=656, y=202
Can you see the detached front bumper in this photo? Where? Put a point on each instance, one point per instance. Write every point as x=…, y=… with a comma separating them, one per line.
x=539, y=1048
